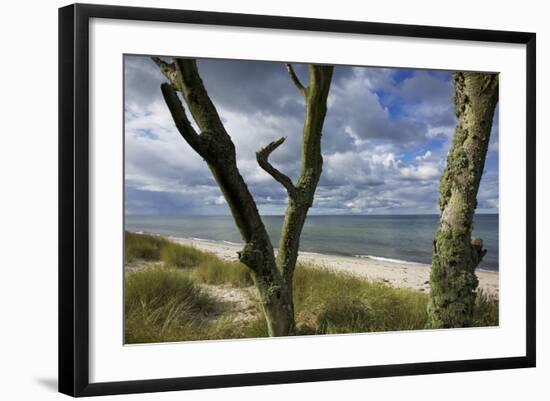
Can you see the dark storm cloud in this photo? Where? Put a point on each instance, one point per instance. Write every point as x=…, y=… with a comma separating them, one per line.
x=235, y=84
x=142, y=81
x=251, y=86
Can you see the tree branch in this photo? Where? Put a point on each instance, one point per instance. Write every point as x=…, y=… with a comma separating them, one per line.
x=262, y=156
x=180, y=118
x=167, y=69
x=198, y=101
x=296, y=80
x=215, y=146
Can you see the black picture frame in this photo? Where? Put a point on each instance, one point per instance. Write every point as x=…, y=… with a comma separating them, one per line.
x=74, y=198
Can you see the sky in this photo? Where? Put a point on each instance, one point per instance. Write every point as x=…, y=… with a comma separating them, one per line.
x=385, y=140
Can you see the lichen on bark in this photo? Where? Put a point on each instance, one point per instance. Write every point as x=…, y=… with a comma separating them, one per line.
x=455, y=253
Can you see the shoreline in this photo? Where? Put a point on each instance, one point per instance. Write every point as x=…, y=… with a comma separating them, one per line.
x=401, y=274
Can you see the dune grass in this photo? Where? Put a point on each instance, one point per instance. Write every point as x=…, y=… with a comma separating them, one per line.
x=142, y=246
x=174, y=255
x=486, y=310
x=160, y=303
x=216, y=271
x=326, y=302
x=168, y=304
x=165, y=302
x=206, y=267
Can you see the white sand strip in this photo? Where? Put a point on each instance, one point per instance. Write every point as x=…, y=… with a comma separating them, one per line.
x=397, y=274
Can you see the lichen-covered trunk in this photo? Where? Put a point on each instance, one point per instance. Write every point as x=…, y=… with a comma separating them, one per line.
x=289, y=243
x=276, y=301
x=456, y=254
x=301, y=197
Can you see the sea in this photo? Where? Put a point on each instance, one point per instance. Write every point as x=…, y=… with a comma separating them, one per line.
x=403, y=238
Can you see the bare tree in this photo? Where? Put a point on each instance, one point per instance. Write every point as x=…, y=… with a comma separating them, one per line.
x=456, y=254
x=272, y=275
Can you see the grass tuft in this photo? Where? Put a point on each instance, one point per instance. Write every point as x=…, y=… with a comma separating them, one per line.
x=142, y=246
x=206, y=267
x=160, y=304
x=175, y=255
x=486, y=310
x=215, y=271
x=326, y=302
x=164, y=305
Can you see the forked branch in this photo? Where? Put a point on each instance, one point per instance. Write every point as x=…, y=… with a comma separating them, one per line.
x=262, y=156
x=296, y=80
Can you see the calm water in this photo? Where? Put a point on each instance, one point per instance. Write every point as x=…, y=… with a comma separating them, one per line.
x=405, y=238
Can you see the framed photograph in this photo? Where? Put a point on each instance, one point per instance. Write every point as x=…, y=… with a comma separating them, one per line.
x=251, y=199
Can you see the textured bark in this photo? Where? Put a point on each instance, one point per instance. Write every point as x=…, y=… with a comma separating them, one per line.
x=301, y=199
x=216, y=147
x=456, y=254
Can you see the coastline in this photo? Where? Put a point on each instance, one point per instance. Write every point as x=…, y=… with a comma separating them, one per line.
x=400, y=274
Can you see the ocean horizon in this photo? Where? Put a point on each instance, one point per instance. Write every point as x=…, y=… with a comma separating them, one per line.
x=397, y=237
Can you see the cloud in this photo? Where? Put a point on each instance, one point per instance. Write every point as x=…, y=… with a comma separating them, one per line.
x=425, y=156
x=385, y=139
x=356, y=110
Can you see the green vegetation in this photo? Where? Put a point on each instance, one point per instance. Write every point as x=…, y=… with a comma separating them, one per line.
x=485, y=310
x=174, y=255
x=330, y=303
x=171, y=301
x=160, y=303
x=215, y=271
x=166, y=305
x=141, y=246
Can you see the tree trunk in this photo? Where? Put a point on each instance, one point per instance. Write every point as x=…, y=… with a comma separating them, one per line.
x=301, y=199
x=456, y=254
x=216, y=147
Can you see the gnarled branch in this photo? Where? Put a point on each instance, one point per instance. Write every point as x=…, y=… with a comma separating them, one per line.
x=262, y=156
x=296, y=80
x=180, y=118
x=216, y=147
x=198, y=101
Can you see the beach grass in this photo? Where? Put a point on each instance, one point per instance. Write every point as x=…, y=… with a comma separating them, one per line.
x=174, y=255
x=169, y=301
x=212, y=270
x=164, y=304
x=161, y=305
x=142, y=246
x=327, y=302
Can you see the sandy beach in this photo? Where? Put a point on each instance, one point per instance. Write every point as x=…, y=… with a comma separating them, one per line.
x=394, y=273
